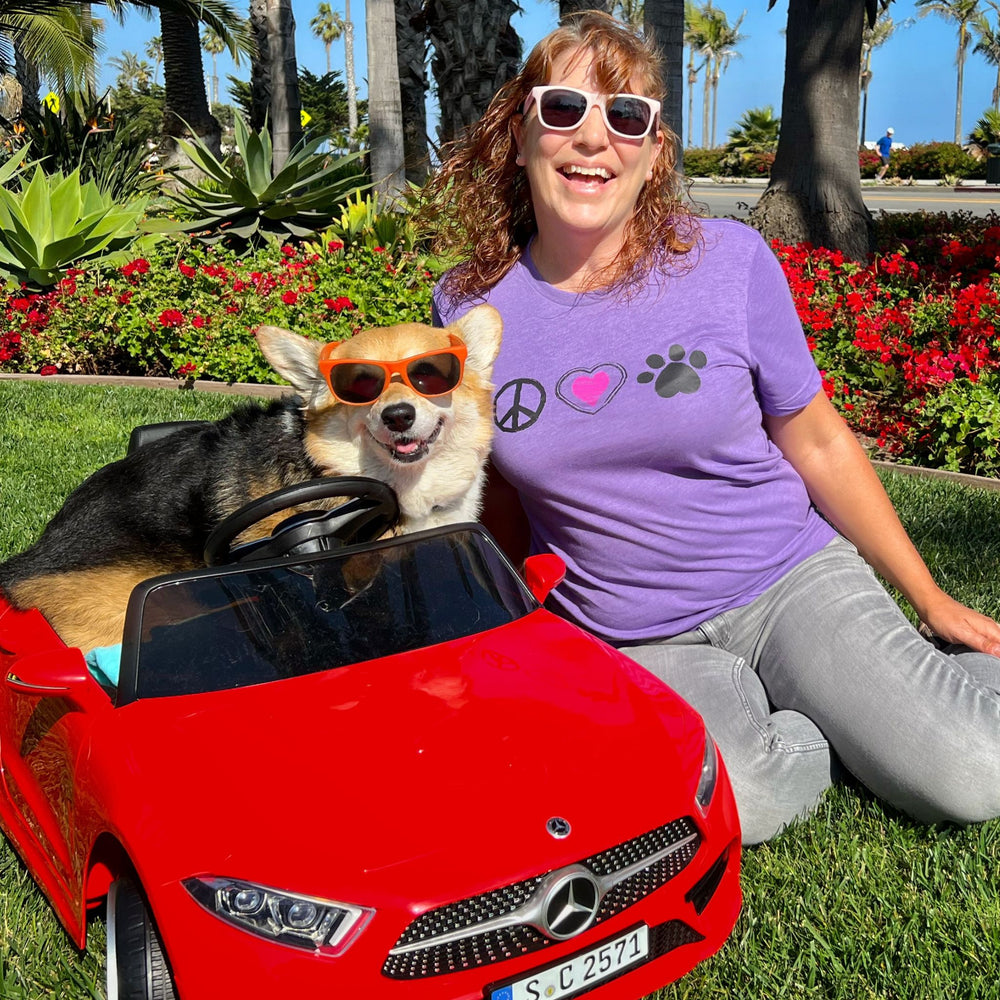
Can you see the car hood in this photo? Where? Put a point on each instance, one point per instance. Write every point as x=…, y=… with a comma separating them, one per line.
x=400, y=776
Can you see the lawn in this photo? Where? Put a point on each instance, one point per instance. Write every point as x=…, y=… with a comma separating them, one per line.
x=857, y=903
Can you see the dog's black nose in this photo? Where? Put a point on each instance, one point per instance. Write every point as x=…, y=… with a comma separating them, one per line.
x=399, y=416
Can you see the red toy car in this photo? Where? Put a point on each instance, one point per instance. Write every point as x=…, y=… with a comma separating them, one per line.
x=380, y=771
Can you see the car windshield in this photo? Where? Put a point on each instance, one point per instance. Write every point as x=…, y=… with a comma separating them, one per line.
x=249, y=625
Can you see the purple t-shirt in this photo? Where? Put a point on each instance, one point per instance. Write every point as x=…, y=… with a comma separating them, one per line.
x=632, y=431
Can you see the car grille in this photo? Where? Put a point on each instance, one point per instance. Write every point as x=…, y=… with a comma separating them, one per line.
x=484, y=929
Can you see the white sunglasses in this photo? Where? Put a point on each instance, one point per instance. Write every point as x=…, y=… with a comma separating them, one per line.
x=564, y=108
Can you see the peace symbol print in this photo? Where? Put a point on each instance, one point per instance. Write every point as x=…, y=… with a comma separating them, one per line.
x=518, y=404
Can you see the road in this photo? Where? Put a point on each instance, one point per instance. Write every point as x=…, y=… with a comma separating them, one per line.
x=737, y=199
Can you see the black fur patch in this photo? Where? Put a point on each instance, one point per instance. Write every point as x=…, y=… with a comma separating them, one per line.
x=160, y=502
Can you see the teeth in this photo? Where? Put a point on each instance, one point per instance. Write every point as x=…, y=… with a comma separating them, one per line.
x=588, y=171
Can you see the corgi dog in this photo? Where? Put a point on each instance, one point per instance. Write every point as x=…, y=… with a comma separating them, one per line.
x=409, y=405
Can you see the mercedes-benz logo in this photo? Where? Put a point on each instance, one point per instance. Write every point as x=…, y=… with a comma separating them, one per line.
x=558, y=827
x=570, y=904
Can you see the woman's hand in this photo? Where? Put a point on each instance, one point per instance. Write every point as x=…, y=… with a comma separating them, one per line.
x=954, y=622
x=845, y=488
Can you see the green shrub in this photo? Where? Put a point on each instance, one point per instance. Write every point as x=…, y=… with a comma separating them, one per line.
x=934, y=160
x=703, y=162
x=85, y=135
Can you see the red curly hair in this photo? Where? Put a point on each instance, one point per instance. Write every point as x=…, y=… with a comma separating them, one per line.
x=481, y=196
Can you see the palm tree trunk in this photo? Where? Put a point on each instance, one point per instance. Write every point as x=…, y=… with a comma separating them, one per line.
x=706, y=102
x=692, y=80
x=275, y=77
x=28, y=77
x=960, y=63
x=814, y=192
x=411, y=55
x=286, y=105
x=476, y=51
x=715, y=99
x=575, y=6
x=185, y=106
x=663, y=20
x=385, y=116
x=352, y=87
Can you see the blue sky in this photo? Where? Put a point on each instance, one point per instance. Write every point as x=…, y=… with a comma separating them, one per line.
x=913, y=86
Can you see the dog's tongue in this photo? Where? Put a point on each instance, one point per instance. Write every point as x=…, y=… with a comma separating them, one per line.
x=406, y=447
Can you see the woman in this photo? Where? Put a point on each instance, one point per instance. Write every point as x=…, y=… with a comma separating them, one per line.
x=659, y=414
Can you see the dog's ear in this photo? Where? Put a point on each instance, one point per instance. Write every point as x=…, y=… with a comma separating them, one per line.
x=293, y=357
x=480, y=328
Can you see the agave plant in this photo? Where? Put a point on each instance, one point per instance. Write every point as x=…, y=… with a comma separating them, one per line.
x=245, y=203
x=55, y=221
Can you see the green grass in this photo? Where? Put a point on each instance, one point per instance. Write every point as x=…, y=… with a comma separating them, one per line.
x=855, y=904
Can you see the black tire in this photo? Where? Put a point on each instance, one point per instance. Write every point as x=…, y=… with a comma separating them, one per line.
x=137, y=965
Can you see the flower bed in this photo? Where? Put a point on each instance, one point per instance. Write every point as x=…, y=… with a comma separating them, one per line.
x=193, y=315
x=907, y=343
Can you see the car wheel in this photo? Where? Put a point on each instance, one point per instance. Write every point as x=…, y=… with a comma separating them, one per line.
x=137, y=964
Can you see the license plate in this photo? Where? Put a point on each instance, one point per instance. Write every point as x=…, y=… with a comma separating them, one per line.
x=581, y=972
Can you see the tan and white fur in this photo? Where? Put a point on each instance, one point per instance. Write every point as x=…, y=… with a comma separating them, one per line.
x=431, y=451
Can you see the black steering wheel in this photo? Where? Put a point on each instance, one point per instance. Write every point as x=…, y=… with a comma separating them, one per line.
x=370, y=510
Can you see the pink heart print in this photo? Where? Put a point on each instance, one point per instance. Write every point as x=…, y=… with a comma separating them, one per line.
x=590, y=389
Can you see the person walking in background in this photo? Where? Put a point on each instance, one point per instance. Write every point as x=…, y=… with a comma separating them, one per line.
x=884, y=146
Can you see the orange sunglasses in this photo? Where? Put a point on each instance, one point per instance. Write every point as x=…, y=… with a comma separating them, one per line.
x=359, y=382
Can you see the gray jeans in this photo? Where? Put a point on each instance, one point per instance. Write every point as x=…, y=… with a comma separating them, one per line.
x=823, y=667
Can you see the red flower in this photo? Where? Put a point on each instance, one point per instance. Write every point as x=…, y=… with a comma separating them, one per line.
x=334, y=245
x=199, y=322
x=186, y=269
x=339, y=304
x=188, y=369
x=290, y=298
x=171, y=317
x=48, y=370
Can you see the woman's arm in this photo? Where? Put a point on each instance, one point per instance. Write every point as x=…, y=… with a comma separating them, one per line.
x=504, y=517
x=845, y=488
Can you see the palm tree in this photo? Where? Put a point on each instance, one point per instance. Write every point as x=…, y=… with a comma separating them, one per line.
x=49, y=36
x=814, y=191
x=632, y=11
x=214, y=46
x=476, y=51
x=756, y=131
x=988, y=45
x=875, y=36
x=694, y=40
x=385, y=116
x=663, y=20
x=575, y=6
x=275, y=77
x=715, y=39
x=328, y=26
x=963, y=13
x=725, y=38
x=58, y=35
x=411, y=61
x=133, y=72
x=154, y=51
x=352, y=87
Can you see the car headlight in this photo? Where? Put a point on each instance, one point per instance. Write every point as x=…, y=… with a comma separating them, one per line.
x=709, y=774
x=303, y=921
